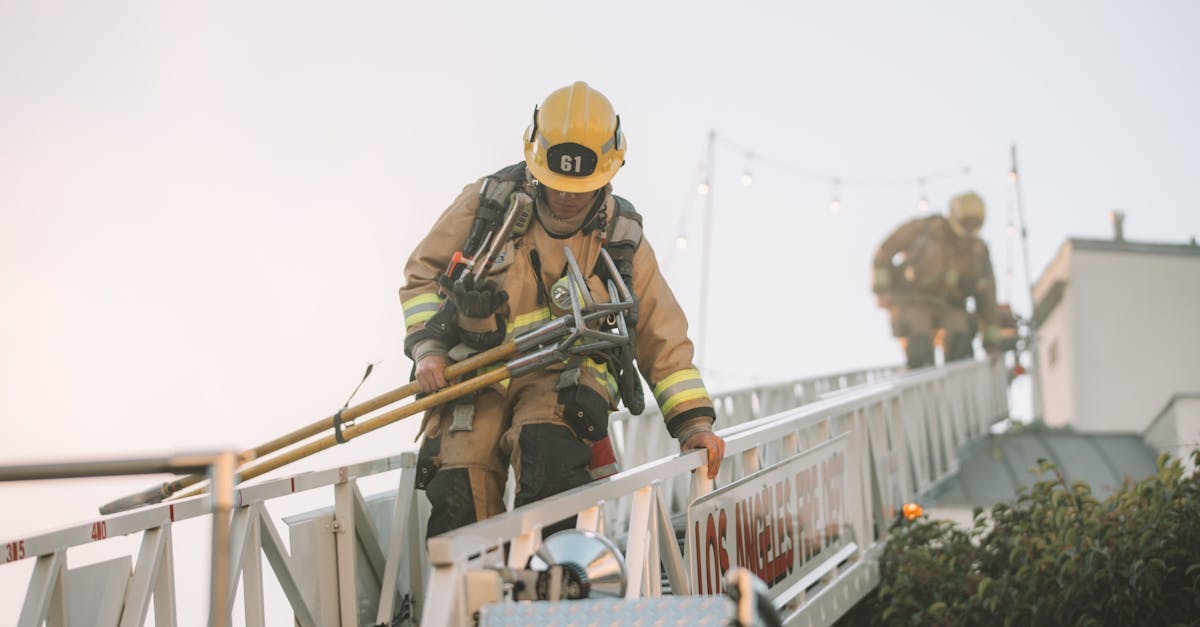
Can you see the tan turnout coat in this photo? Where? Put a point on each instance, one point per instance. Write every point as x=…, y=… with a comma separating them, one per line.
x=663, y=351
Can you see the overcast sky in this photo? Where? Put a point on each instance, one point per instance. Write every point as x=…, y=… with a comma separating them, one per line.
x=205, y=207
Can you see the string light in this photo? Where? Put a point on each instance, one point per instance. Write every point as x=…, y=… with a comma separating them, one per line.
x=836, y=205
x=1012, y=176
x=1012, y=229
x=754, y=159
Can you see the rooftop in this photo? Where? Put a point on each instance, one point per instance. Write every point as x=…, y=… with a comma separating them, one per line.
x=1054, y=274
x=991, y=473
x=1126, y=246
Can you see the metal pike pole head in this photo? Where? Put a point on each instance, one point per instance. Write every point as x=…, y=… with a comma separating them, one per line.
x=583, y=339
x=570, y=334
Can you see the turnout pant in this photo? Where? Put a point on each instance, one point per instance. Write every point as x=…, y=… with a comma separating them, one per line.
x=543, y=424
x=915, y=324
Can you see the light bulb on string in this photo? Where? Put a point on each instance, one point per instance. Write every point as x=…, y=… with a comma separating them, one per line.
x=681, y=242
x=1012, y=230
x=747, y=177
x=702, y=188
x=835, y=205
x=1012, y=176
x=923, y=203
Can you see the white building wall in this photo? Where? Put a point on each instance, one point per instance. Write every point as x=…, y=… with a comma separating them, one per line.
x=1177, y=429
x=1056, y=348
x=1136, y=336
x=1055, y=345
x=1187, y=417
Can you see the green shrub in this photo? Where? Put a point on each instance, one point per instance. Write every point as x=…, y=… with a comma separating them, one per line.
x=1056, y=555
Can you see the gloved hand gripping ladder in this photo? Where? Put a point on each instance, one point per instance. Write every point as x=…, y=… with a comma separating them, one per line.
x=550, y=343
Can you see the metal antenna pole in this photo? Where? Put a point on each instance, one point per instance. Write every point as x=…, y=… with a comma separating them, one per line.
x=1035, y=369
x=702, y=343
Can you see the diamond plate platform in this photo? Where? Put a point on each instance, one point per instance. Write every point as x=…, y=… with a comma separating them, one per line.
x=690, y=611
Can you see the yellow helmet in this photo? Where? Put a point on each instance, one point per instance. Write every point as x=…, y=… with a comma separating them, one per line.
x=966, y=214
x=575, y=143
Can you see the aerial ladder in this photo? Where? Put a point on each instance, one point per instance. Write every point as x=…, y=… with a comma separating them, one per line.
x=791, y=530
x=364, y=560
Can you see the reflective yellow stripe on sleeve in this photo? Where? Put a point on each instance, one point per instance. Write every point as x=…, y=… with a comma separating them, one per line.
x=679, y=387
x=421, y=308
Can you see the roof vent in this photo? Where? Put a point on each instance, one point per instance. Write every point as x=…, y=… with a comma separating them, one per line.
x=1117, y=217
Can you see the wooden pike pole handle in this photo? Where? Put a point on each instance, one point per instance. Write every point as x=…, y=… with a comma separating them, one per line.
x=382, y=420
x=544, y=335
x=170, y=488
x=453, y=371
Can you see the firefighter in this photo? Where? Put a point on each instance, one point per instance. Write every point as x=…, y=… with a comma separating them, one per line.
x=924, y=274
x=544, y=423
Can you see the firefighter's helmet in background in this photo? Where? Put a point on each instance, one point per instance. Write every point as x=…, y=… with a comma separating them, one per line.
x=966, y=214
x=575, y=143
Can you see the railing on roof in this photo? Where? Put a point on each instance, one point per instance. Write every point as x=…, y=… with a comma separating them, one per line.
x=361, y=561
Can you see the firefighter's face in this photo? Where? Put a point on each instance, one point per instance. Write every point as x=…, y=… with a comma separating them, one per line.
x=972, y=225
x=567, y=205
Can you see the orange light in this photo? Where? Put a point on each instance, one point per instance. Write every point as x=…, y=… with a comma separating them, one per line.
x=912, y=511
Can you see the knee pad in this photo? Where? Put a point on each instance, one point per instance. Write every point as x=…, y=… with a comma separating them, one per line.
x=553, y=460
x=452, y=501
x=585, y=411
x=919, y=351
x=958, y=346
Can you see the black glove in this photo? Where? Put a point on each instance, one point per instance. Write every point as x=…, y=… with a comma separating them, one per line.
x=475, y=301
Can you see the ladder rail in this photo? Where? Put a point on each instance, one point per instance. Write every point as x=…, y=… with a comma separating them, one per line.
x=912, y=423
